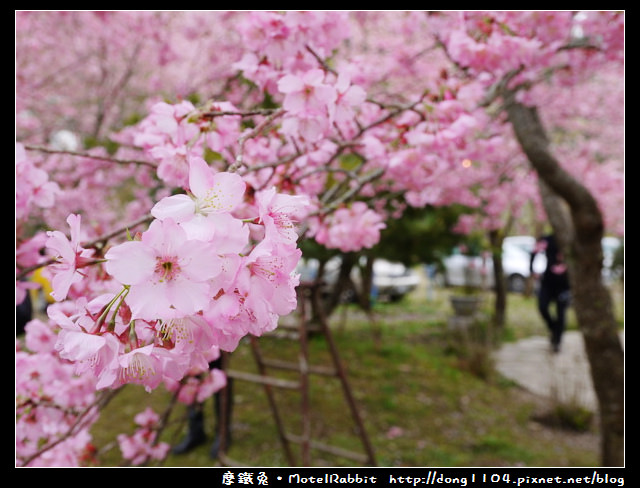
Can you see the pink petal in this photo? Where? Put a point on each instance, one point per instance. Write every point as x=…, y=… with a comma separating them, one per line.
x=188, y=297
x=59, y=243
x=130, y=262
x=224, y=195
x=200, y=177
x=176, y=207
x=79, y=346
x=313, y=77
x=147, y=301
x=61, y=282
x=74, y=223
x=198, y=261
x=290, y=84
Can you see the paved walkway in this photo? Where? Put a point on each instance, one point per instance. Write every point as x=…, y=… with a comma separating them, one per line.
x=564, y=376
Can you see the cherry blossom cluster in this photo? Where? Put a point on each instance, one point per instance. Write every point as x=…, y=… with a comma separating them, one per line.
x=338, y=229
x=198, y=386
x=319, y=125
x=526, y=46
x=52, y=401
x=196, y=281
x=157, y=308
x=142, y=446
x=34, y=191
x=33, y=187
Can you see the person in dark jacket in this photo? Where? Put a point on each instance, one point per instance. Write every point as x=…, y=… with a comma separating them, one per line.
x=553, y=288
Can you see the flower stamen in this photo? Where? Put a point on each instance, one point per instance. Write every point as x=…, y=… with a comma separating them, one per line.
x=167, y=268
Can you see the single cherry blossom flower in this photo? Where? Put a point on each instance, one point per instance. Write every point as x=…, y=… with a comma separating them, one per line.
x=210, y=193
x=279, y=213
x=39, y=336
x=348, y=96
x=187, y=343
x=269, y=274
x=306, y=93
x=139, y=366
x=70, y=257
x=167, y=273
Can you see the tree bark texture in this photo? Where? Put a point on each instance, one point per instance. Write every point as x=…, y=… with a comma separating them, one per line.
x=580, y=238
x=500, y=309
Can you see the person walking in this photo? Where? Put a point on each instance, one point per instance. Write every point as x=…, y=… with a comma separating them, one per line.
x=553, y=288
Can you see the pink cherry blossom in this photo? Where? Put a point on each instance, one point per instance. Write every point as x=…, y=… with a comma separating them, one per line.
x=198, y=387
x=188, y=343
x=267, y=30
x=167, y=273
x=214, y=192
x=260, y=73
x=139, y=366
x=226, y=233
x=50, y=399
x=173, y=167
x=70, y=256
x=280, y=213
x=165, y=136
x=210, y=193
x=263, y=289
x=309, y=101
x=39, y=336
x=79, y=341
x=340, y=119
x=28, y=255
x=239, y=313
x=307, y=93
x=224, y=131
x=142, y=446
x=33, y=187
x=28, y=251
x=306, y=126
x=348, y=97
x=351, y=228
x=268, y=273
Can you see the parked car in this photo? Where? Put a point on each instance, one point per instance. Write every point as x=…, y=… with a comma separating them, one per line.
x=526, y=243
x=477, y=271
x=461, y=270
x=516, y=261
x=610, y=269
x=391, y=280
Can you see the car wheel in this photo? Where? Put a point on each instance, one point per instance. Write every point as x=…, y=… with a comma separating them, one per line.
x=517, y=283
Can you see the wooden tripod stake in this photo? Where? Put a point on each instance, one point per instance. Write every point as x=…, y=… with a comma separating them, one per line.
x=307, y=292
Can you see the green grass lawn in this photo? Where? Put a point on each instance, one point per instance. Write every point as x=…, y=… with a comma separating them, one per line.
x=425, y=397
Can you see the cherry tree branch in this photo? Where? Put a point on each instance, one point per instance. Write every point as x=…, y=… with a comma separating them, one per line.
x=239, y=161
x=322, y=62
x=110, y=159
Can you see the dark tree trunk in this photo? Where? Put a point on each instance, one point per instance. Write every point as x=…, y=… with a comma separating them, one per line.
x=580, y=237
x=364, y=294
x=344, y=287
x=500, y=307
